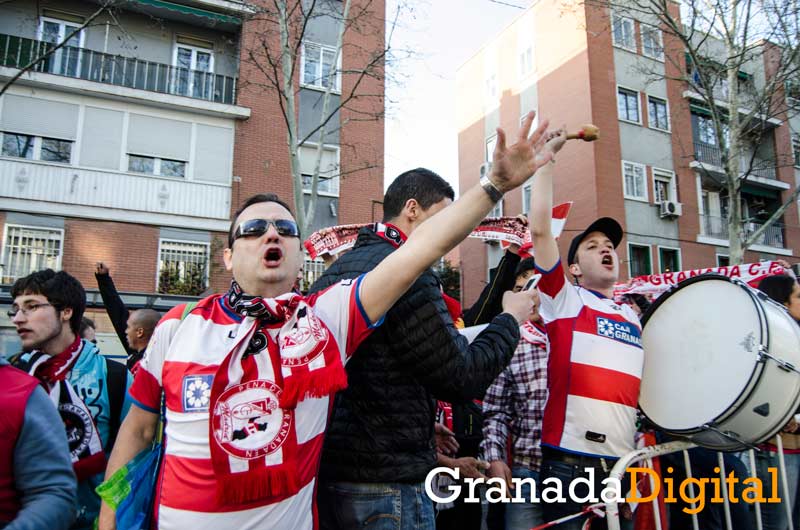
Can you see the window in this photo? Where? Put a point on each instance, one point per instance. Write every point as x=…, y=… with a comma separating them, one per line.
x=37, y=148
x=328, y=185
x=491, y=88
x=312, y=270
x=182, y=267
x=622, y=32
x=160, y=167
x=27, y=249
x=628, y=105
x=194, y=70
x=317, y=64
x=723, y=260
x=657, y=113
x=669, y=259
x=526, y=199
x=497, y=211
x=705, y=130
x=663, y=186
x=639, y=260
x=491, y=143
x=525, y=51
x=652, y=45
x=796, y=149
x=65, y=60
x=635, y=182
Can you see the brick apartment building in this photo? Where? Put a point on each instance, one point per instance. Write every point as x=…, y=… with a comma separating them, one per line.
x=656, y=168
x=133, y=144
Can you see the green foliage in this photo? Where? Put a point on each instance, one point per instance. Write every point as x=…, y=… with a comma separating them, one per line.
x=184, y=278
x=451, y=279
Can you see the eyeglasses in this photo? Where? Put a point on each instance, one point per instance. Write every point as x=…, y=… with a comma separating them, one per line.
x=259, y=227
x=26, y=310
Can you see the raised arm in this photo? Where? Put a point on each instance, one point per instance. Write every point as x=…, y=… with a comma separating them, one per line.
x=545, y=248
x=511, y=167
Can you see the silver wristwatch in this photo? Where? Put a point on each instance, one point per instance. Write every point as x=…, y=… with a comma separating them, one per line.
x=487, y=185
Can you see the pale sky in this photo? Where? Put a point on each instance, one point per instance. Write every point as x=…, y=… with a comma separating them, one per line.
x=421, y=110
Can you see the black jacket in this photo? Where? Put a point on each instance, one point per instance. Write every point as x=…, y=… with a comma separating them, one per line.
x=118, y=314
x=381, y=429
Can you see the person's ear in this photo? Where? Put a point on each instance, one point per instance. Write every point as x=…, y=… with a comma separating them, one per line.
x=227, y=258
x=412, y=209
x=66, y=314
x=575, y=270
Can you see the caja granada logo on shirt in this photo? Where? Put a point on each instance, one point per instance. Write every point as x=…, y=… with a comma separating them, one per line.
x=305, y=341
x=247, y=421
x=619, y=331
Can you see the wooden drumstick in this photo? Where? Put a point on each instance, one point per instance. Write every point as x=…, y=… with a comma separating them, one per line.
x=588, y=133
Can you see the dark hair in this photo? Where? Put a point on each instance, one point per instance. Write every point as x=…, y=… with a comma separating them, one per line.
x=255, y=199
x=421, y=184
x=778, y=287
x=528, y=264
x=86, y=323
x=61, y=289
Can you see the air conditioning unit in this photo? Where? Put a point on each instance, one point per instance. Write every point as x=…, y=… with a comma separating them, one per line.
x=486, y=168
x=671, y=209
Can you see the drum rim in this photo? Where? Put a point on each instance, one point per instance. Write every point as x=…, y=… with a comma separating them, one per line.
x=758, y=370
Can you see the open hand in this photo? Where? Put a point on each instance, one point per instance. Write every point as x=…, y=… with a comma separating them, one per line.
x=471, y=467
x=446, y=442
x=512, y=166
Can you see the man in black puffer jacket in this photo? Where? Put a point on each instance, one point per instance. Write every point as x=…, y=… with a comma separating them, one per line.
x=379, y=446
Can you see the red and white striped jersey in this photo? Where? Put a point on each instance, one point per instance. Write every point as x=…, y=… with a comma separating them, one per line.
x=181, y=360
x=594, y=370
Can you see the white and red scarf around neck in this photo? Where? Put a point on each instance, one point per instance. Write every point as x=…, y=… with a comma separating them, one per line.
x=85, y=446
x=310, y=366
x=390, y=233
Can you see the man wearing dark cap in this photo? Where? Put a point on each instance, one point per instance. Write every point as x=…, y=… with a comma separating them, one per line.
x=595, y=363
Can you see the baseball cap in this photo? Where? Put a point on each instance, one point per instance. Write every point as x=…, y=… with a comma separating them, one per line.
x=605, y=225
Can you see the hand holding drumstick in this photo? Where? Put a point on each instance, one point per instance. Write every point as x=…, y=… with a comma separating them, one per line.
x=588, y=133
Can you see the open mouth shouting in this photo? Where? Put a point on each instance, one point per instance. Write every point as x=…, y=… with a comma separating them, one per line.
x=607, y=261
x=273, y=257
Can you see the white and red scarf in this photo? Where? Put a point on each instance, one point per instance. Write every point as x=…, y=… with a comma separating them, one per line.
x=85, y=446
x=265, y=465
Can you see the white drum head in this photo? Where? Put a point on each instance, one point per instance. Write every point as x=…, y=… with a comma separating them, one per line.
x=700, y=353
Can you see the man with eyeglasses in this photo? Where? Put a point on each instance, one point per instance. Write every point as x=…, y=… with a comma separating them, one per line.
x=87, y=389
x=248, y=376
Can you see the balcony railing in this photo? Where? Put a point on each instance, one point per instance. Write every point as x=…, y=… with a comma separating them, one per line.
x=82, y=63
x=709, y=154
x=717, y=227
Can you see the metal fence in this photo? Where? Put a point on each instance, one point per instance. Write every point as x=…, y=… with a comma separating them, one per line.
x=712, y=155
x=717, y=227
x=646, y=455
x=82, y=63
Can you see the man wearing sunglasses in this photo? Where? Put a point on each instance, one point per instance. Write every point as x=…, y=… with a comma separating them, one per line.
x=247, y=376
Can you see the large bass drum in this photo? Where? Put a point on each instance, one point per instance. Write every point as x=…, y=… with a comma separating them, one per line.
x=721, y=363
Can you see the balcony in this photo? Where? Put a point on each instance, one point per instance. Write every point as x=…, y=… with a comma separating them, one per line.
x=116, y=70
x=712, y=156
x=717, y=228
x=59, y=189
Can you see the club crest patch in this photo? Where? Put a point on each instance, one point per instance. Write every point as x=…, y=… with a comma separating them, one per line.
x=305, y=341
x=79, y=427
x=197, y=392
x=247, y=421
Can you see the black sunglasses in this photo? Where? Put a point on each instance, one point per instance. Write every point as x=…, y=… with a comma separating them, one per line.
x=258, y=227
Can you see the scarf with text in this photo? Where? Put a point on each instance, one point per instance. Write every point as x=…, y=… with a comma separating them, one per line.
x=254, y=456
x=85, y=446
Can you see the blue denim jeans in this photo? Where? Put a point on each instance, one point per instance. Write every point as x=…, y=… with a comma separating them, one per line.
x=524, y=516
x=566, y=473
x=384, y=506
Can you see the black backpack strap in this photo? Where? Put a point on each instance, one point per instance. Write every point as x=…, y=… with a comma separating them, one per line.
x=117, y=379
